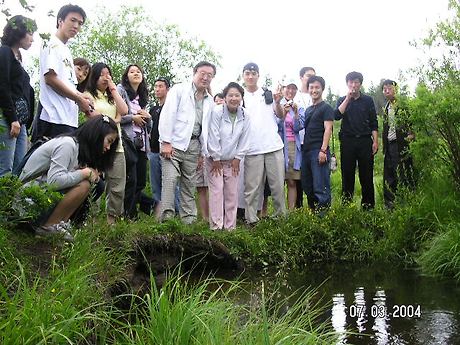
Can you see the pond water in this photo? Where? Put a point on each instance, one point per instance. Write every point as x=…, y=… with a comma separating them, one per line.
x=378, y=304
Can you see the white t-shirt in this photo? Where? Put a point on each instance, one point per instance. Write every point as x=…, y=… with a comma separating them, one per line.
x=303, y=100
x=55, y=55
x=264, y=136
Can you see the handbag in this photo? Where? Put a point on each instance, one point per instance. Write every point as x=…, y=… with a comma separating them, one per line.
x=138, y=140
x=129, y=148
x=22, y=110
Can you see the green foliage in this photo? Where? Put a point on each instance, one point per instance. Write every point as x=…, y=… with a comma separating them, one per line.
x=331, y=98
x=181, y=313
x=435, y=110
x=129, y=36
x=436, y=116
x=442, y=254
x=23, y=204
x=68, y=303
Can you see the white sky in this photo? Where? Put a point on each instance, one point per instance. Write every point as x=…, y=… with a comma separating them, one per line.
x=333, y=36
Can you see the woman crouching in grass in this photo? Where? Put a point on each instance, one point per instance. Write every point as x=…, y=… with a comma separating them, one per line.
x=70, y=163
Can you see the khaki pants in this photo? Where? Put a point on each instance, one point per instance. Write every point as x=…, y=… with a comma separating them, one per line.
x=180, y=168
x=256, y=169
x=115, y=180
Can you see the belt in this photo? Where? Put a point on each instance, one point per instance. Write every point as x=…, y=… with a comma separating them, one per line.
x=195, y=136
x=356, y=136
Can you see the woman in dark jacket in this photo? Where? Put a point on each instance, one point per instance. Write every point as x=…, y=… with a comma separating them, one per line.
x=16, y=94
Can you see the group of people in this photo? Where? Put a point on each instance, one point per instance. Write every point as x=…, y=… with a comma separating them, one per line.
x=238, y=148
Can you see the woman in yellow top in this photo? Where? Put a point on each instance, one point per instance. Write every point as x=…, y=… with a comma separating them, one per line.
x=108, y=101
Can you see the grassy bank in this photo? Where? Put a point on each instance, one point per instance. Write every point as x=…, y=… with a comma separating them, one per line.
x=53, y=293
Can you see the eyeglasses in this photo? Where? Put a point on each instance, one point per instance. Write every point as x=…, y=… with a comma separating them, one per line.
x=204, y=74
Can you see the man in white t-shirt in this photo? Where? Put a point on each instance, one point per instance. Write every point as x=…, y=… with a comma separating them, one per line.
x=303, y=100
x=265, y=155
x=59, y=98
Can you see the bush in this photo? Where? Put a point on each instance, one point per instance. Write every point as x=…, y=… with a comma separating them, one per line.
x=20, y=204
x=442, y=253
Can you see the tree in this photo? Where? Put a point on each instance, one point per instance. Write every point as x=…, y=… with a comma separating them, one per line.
x=129, y=36
x=331, y=98
x=436, y=109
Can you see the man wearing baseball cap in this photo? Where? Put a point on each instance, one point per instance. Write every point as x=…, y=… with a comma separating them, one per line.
x=265, y=157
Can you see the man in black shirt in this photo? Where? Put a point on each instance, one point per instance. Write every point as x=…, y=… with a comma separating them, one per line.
x=358, y=140
x=318, y=123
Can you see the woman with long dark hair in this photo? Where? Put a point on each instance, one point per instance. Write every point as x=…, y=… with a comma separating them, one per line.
x=106, y=99
x=16, y=94
x=70, y=163
x=137, y=124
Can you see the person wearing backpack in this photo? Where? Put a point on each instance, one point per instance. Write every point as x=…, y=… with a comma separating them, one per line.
x=70, y=164
x=265, y=156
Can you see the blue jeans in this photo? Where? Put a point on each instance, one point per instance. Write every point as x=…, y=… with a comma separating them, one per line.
x=155, y=180
x=316, y=181
x=12, y=150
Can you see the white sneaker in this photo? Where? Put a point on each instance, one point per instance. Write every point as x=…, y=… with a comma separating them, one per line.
x=54, y=229
x=65, y=225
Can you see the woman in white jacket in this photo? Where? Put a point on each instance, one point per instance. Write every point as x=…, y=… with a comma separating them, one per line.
x=228, y=142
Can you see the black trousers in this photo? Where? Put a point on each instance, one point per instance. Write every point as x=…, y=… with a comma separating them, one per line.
x=299, y=199
x=397, y=170
x=357, y=151
x=50, y=130
x=136, y=178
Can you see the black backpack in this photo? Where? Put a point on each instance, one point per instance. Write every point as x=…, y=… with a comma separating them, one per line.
x=18, y=170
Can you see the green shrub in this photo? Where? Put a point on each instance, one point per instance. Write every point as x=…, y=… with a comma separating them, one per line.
x=19, y=204
x=442, y=253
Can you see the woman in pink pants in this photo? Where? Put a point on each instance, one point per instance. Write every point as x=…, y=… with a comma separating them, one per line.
x=228, y=142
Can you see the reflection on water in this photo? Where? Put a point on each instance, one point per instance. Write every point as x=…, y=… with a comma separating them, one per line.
x=380, y=326
x=339, y=316
x=378, y=305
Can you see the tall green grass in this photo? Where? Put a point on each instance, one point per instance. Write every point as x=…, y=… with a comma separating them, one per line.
x=68, y=301
x=442, y=254
x=184, y=313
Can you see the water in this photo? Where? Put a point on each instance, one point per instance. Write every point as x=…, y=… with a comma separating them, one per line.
x=379, y=304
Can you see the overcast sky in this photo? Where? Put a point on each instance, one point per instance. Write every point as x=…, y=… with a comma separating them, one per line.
x=333, y=36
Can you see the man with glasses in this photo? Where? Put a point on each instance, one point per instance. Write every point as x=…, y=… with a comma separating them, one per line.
x=183, y=134
x=265, y=156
